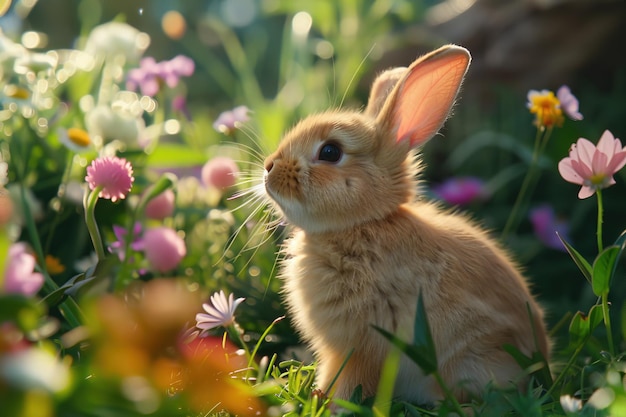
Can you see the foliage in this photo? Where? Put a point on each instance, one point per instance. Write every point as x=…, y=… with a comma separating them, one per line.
x=112, y=329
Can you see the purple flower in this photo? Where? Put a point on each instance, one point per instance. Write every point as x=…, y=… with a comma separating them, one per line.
x=229, y=120
x=120, y=244
x=569, y=103
x=19, y=277
x=546, y=226
x=150, y=74
x=461, y=190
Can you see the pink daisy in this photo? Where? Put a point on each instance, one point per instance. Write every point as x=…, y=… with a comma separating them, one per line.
x=593, y=166
x=113, y=175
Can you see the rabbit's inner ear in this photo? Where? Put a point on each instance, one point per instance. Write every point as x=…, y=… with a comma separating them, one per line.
x=421, y=101
x=382, y=86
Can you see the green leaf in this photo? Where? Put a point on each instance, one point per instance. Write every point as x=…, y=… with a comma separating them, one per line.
x=422, y=351
x=583, y=265
x=536, y=364
x=579, y=328
x=603, y=269
x=583, y=324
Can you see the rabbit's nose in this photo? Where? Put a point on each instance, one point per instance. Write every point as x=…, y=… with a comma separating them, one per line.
x=269, y=164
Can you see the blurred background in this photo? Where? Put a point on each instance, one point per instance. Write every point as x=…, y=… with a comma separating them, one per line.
x=285, y=59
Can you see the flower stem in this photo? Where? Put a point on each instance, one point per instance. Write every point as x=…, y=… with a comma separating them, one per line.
x=607, y=321
x=541, y=139
x=599, y=225
x=90, y=219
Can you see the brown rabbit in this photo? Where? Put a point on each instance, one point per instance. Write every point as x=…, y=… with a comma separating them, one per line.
x=364, y=246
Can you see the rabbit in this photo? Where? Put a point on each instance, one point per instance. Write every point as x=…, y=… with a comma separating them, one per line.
x=364, y=245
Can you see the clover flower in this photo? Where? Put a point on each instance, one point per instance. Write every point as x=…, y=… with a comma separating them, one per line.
x=113, y=175
x=461, y=190
x=229, y=120
x=163, y=248
x=591, y=166
x=150, y=74
x=19, y=277
x=547, y=227
x=220, y=172
x=161, y=206
x=220, y=312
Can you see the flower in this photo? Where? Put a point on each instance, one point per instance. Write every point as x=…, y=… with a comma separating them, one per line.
x=221, y=312
x=35, y=369
x=120, y=244
x=546, y=107
x=113, y=39
x=74, y=138
x=569, y=103
x=219, y=172
x=118, y=121
x=19, y=277
x=593, y=167
x=163, y=248
x=161, y=206
x=461, y=191
x=546, y=226
x=570, y=404
x=54, y=265
x=113, y=175
x=229, y=120
x=150, y=74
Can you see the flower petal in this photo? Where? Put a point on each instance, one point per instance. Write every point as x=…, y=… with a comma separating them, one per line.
x=568, y=173
x=584, y=151
x=586, y=192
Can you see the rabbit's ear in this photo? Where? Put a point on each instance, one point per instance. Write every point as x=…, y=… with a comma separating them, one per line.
x=421, y=100
x=381, y=87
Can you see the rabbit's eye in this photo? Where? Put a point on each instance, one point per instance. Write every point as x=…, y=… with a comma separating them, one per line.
x=330, y=152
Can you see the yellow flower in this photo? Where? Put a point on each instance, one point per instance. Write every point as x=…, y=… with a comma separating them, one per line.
x=546, y=107
x=54, y=265
x=75, y=139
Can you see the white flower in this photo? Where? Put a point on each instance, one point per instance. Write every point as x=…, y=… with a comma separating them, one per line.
x=570, y=404
x=108, y=123
x=35, y=368
x=221, y=312
x=116, y=39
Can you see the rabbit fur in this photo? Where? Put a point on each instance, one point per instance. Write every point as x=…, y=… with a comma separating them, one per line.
x=365, y=245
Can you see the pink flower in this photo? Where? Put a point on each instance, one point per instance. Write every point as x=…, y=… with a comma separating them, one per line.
x=161, y=206
x=19, y=277
x=460, y=191
x=546, y=226
x=593, y=167
x=163, y=248
x=220, y=172
x=229, y=120
x=569, y=103
x=221, y=312
x=114, y=175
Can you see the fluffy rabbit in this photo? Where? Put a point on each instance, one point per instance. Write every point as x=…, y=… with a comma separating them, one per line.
x=364, y=245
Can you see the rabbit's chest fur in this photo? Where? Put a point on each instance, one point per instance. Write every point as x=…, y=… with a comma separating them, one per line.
x=340, y=284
